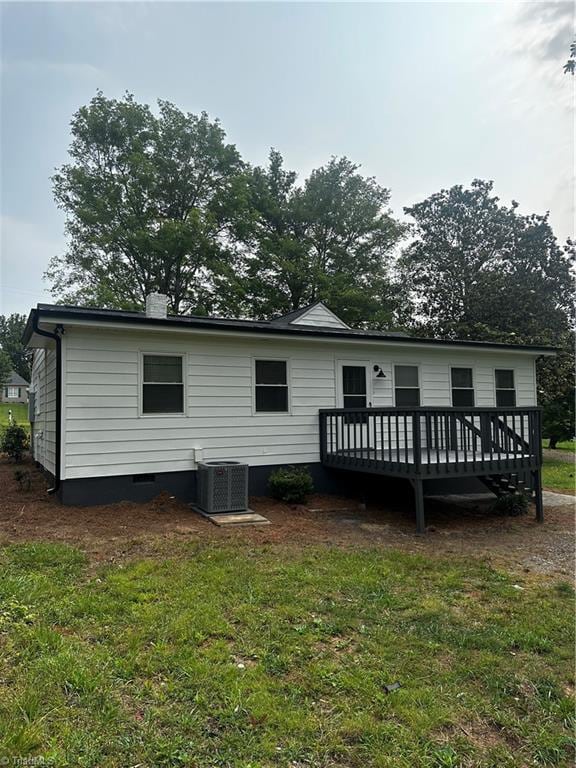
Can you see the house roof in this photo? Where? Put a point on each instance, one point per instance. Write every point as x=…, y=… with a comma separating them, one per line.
x=15, y=380
x=281, y=326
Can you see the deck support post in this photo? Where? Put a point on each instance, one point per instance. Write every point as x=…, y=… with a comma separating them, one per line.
x=418, y=487
x=537, y=480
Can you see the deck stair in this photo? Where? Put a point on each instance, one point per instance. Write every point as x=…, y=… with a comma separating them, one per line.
x=511, y=482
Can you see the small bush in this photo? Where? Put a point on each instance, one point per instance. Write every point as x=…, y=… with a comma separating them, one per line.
x=291, y=484
x=511, y=505
x=14, y=441
x=23, y=478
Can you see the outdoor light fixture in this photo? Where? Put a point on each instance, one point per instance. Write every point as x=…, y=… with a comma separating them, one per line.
x=379, y=372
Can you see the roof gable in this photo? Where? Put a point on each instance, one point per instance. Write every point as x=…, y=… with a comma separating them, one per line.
x=16, y=380
x=317, y=315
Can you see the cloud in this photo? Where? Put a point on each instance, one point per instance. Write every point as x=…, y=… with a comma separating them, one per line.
x=544, y=31
x=72, y=69
x=26, y=251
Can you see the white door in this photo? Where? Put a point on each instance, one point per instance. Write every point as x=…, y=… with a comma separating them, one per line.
x=354, y=384
x=354, y=391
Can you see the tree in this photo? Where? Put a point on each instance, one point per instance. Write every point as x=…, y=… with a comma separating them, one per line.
x=570, y=66
x=477, y=269
x=330, y=239
x=480, y=270
x=5, y=367
x=558, y=420
x=11, y=330
x=152, y=203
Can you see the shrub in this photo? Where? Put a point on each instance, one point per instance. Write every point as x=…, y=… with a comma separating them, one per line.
x=291, y=484
x=14, y=441
x=511, y=505
x=23, y=478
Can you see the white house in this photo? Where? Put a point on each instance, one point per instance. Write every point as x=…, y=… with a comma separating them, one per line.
x=125, y=404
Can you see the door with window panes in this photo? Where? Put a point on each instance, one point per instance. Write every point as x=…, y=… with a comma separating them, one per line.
x=354, y=392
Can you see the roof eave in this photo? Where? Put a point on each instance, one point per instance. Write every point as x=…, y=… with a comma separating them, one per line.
x=47, y=312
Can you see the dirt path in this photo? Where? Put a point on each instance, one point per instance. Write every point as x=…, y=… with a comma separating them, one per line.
x=559, y=455
x=117, y=531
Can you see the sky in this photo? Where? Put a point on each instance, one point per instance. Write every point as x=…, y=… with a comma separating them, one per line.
x=422, y=95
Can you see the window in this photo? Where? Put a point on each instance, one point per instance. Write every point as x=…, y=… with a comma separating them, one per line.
x=406, y=385
x=462, y=387
x=13, y=392
x=162, y=386
x=271, y=386
x=354, y=386
x=505, y=390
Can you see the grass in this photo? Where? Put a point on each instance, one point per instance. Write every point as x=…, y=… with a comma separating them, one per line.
x=236, y=657
x=19, y=413
x=558, y=474
x=566, y=445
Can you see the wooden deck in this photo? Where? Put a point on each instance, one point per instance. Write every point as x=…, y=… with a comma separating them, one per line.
x=428, y=443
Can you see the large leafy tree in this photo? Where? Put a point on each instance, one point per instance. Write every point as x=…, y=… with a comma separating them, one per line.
x=5, y=367
x=11, y=330
x=480, y=269
x=151, y=203
x=331, y=238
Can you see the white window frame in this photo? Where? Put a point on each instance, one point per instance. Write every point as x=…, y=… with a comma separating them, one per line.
x=288, y=363
x=513, y=389
x=471, y=368
x=149, y=352
x=409, y=365
x=10, y=388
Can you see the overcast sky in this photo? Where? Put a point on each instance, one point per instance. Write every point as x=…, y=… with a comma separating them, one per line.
x=423, y=95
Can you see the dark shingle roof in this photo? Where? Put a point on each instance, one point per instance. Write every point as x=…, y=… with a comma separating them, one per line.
x=15, y=380
x=56, y=313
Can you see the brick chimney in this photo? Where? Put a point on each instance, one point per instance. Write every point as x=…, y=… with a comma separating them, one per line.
x=156, y=305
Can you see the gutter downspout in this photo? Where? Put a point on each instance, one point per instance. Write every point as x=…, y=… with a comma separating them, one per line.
x=57, y=337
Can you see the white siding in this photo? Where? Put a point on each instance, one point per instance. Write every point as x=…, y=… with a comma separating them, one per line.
x=44, y=429
x=320, y=316
x=105, y=433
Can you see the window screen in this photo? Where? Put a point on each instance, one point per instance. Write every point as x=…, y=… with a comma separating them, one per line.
x=505, y=388
x=406, y=386
x=271, y=395
x=163, y=385
x=462, y=387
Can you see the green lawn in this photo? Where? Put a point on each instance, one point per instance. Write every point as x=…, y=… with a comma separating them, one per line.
x=19, y=413
x=558, y=474
x=567, y=445
x=242, y=656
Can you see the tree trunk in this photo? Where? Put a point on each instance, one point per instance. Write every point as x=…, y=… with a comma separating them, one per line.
x=553, y=441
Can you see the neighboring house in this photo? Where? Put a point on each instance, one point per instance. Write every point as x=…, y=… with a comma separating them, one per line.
x=126, y=404
x=15, y=389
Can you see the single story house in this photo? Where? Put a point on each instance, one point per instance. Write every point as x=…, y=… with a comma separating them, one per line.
x=15, y=389
x=125, y=404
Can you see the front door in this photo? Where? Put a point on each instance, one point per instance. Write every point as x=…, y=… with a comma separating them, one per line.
x=353, y=384
x=354, y=392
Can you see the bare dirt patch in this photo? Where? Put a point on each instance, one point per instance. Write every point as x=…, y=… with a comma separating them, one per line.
x=116, y=531
x=556, y=453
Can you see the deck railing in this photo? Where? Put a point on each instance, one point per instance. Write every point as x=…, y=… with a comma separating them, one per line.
x=431, y=441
